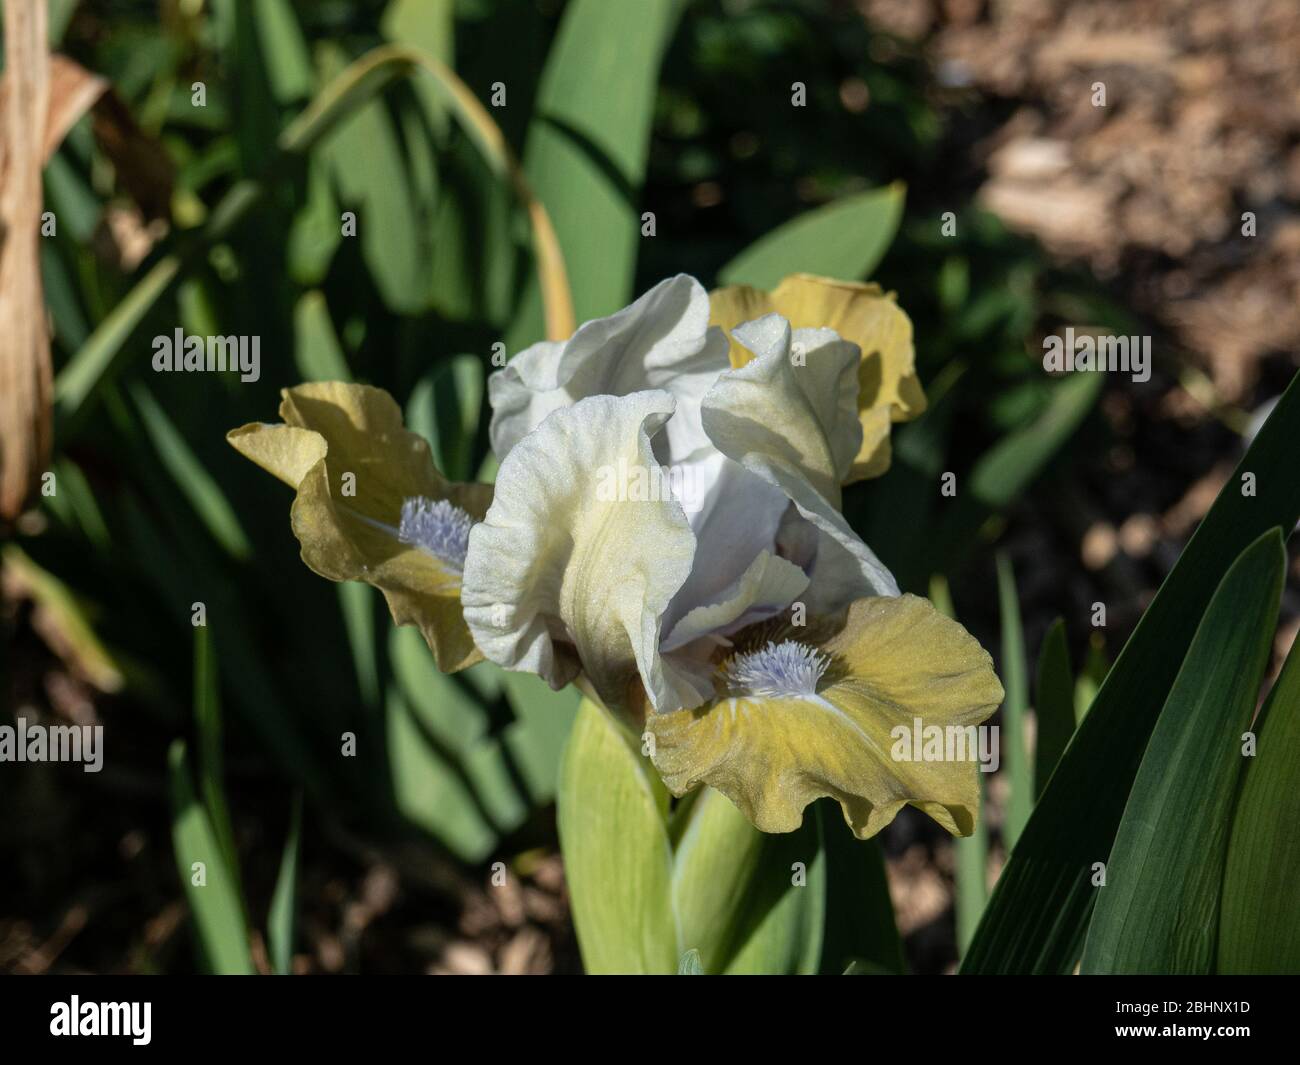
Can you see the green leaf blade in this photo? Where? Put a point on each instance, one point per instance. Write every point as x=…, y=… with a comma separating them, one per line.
x=1259, y=927
x=282, y=921
x=1020, y=799
x=749, y=902
x=284, y=51
x=845, y=239
x=617, y=854
x=1036, y=919
x=192, y=478
x=316, y=351
x=536, y=739
x=207, y=718
x=1158, y=910
x=588, y=145
x=1053, y=704
x=215, y=905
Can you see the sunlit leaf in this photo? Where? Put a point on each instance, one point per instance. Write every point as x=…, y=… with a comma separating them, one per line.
x=587, y=148
x=214, y=904
x=1158, y=910
x=617, y=854
x=845, y=239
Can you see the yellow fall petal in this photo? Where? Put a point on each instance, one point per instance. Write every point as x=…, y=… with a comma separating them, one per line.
x=799, y=718
x=344, y=449
x=284, y=451
x=888, y=387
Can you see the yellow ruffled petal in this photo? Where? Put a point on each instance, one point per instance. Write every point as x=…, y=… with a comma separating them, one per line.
x=344, y=449
x=799, y=718
x=582, y=551
x=888, y=391
x=284, y=451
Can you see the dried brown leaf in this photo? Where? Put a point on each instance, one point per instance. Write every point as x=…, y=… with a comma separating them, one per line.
x=25, y=371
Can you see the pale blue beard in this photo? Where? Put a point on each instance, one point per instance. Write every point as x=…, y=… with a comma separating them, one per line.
x=436, y=527
x=775, y=670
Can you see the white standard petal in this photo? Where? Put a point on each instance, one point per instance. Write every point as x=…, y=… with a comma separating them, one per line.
x=797, y=399
x=790, y=417
x=573, y=567
x=735, y=515
x=661, y=341
x=767, y=587
x=524, y=392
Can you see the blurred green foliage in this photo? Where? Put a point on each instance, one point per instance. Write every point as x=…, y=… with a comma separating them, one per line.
x=156, y=513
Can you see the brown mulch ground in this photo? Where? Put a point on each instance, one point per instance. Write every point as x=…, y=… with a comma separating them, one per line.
x=1185, y=185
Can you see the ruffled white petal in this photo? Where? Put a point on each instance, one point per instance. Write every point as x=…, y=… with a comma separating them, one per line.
x=795, y=400
x=661, y=341
x=524, y=392
x=559, y=574
x=793, y=422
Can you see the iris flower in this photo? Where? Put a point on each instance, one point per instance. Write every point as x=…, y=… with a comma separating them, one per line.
x=666, y=531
